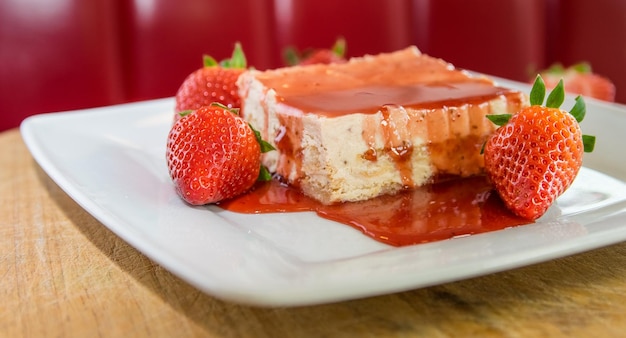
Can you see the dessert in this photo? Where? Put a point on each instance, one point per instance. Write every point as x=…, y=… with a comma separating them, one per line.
x=384, y=133
x=374, y=125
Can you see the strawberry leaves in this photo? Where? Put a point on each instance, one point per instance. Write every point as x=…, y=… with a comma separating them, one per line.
x=236, y=61
x=336, y=53
x=589, y=143
x=556, y=97
x=499, y=119
x=538, y=91
x=209, y=61
x=579, y=109
x=555, y=100
x=339, y=48
x=264, y=173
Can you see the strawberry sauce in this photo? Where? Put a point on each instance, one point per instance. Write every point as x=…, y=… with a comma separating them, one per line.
x=434, y=212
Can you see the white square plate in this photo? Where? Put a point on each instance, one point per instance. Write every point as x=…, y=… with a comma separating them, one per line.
x=111, y=161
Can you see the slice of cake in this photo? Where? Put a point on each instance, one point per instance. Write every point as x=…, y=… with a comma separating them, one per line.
x=374, y=125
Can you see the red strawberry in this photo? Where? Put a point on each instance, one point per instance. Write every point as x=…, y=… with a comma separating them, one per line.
x=315, y=56
x=214, y=154
x=212, y=83
x=536, y=154
x=580, y=79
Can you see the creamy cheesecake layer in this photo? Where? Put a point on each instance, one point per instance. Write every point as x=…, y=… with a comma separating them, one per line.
x=374, y=125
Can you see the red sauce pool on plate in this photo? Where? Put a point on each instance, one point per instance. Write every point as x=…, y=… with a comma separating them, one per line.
x=435, y=212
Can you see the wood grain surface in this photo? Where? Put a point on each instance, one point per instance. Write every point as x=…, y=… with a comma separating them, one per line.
x=63, y=274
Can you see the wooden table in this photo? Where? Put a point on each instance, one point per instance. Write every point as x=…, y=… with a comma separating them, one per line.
x=64, y=274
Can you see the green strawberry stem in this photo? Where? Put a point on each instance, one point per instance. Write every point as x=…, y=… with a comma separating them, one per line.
x=339, y=48
x=558, y=69
x=538, y=91
x=185, y=113
x=209, y=61
x=583, y=67
x=264, y=174
x=555, y=100
x=236, y=61
x=589, y=143
x=222, y=106
x=557, y=95
x=499, y=119
x=265, y=146
x=579, y=110
x=291, y=56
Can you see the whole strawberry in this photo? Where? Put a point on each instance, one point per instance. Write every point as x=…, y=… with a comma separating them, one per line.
x=213, y=154
x=214, y=82
x=580, y=79
x=536, y=154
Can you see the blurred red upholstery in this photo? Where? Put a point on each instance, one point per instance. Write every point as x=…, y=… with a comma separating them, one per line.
x=60, y=56
x=164, y=40
x=69, y=54
x=593, y=31
x=369, y=26
x=503, y=38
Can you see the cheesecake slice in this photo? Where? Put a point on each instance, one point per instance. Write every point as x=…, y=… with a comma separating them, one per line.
x=375, y=125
